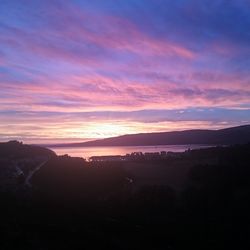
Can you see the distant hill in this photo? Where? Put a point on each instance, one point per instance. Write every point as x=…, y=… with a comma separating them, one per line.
x=228, y=136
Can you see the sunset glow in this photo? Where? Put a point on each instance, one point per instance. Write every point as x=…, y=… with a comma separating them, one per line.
x=77, y=70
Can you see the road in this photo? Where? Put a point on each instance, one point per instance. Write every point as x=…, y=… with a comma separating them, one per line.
x=31, y=173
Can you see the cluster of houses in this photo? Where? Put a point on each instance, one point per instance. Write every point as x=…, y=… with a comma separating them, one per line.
x=136, y=156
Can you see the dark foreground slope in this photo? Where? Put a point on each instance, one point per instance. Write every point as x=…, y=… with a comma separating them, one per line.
x=74, y=204
x=17, y=161
x=235, y=135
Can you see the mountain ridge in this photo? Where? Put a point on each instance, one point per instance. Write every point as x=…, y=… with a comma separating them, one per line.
x=227, y=136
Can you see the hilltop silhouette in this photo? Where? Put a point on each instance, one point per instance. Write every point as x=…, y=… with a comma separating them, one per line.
x=16, y=150
x=228, y=136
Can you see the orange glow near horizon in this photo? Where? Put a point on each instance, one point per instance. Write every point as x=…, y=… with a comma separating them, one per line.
x=58, y=133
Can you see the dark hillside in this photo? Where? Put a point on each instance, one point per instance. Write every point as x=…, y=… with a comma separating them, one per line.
x=235, y=135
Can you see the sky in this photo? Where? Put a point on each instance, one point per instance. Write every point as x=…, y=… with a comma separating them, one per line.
x=79, y=70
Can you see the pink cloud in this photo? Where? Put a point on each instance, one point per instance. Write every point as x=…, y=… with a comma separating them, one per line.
x=72, y=37
x=96, y=92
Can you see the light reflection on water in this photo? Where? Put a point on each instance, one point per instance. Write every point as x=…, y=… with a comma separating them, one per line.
x=87, y=152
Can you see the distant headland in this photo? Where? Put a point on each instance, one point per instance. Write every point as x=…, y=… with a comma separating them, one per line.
x=227, y=136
